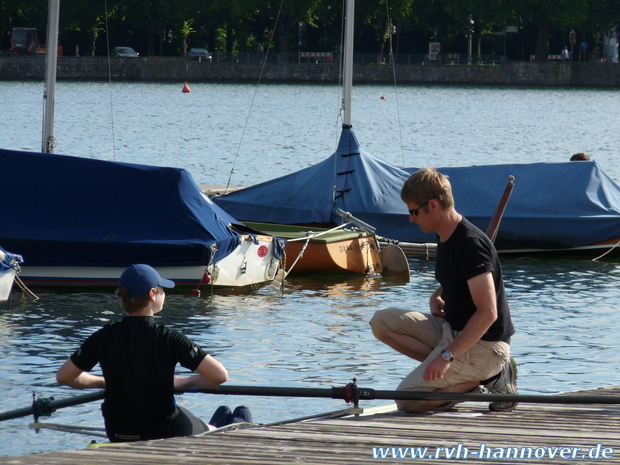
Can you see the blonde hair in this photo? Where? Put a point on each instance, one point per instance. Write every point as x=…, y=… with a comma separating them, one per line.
x=134, y=304
x=426, y=184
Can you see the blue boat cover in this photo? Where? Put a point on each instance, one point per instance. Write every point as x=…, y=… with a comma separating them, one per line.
x=68, y=211
x=7, y=264
x=553, y=205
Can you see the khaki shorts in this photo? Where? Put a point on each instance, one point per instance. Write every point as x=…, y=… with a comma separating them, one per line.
x=482, y=361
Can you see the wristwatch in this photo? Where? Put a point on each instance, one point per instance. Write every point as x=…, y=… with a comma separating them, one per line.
x=447, y=356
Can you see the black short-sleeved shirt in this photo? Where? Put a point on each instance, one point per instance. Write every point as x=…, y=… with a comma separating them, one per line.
x=138, y=358
x=467, y=253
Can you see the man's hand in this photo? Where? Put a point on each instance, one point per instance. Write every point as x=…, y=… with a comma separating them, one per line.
x=436, y=369
x=437, y=305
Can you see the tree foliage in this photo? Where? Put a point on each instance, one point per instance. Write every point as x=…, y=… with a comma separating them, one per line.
x=169, y=27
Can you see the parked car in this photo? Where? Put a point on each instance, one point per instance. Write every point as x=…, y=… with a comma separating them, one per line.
x=201, y=54
x=125, y=52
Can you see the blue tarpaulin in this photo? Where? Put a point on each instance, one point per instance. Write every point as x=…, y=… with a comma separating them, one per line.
x=553, y=205
x=60, y=210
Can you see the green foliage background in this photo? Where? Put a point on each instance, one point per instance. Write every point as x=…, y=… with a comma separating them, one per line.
x=170, y=27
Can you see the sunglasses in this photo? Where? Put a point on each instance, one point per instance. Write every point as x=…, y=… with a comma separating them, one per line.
x=414, y=211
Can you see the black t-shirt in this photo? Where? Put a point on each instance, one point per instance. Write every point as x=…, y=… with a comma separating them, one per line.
x=467, y=253
x=138, y=358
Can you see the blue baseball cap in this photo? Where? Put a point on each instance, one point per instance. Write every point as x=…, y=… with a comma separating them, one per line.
x=140, y=279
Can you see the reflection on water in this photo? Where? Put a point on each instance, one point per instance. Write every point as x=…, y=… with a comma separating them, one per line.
x=315, y=334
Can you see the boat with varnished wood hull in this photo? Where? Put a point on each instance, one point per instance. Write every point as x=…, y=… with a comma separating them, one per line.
x=311, y=250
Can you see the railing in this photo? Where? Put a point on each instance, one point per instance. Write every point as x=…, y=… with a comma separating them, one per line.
x=329, y=58
x=549, y=58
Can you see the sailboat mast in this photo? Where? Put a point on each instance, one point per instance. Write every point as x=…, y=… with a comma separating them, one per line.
x=49, y=91
x=348, y=61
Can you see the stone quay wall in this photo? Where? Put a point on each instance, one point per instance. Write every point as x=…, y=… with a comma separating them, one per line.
x=172, y=69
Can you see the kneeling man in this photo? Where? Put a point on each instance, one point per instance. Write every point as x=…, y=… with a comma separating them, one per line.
x=465, y=340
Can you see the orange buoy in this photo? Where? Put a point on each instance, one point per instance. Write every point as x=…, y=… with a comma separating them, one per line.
x=195, y=292
x=186, y=88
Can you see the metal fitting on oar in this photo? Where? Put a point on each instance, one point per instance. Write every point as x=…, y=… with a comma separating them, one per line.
x=352, y=394
x=41, y=408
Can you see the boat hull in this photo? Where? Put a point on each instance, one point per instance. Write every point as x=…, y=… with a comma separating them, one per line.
x=311, y=250
x=252, y=262
x=9, y=267
x=6, y=284
x=347, y=256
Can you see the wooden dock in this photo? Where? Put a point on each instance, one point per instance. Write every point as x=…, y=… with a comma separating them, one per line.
x=548, y=434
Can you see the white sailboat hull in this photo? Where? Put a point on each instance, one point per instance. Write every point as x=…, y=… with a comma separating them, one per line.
x=251, y=263
x=6, y=284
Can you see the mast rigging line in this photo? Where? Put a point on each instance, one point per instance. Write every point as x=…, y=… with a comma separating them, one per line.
x=260, y=76
x=393, y=65
x=107, y=35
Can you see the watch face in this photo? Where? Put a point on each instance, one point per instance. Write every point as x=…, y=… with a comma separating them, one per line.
x=447, y=355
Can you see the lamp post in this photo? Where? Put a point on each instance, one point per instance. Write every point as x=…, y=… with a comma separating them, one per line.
x=471, y=31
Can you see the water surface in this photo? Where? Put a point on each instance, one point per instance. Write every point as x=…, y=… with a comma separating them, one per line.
x=316, y=333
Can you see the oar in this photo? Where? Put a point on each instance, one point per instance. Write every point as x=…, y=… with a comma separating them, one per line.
x=44, y=406
x=499, y=211
x=351, y=392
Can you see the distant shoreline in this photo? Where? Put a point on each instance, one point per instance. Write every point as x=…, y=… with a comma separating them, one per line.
x=177, y=69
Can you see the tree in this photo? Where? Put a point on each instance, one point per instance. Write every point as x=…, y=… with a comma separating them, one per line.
x=545, y=15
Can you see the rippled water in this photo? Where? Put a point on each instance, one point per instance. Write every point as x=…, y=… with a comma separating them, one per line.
x=316, y=333
x=277, y=129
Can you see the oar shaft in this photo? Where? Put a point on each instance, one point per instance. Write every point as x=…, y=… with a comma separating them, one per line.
x=331, y=393
x=22, y=412
x=51, y=406
x=533, y=399
x=347, y=393
x=77, y=400
x=372, y=394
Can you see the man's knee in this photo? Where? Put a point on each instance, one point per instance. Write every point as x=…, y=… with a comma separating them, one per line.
x=383, y=324
x=380, y=334
x=387, y=318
